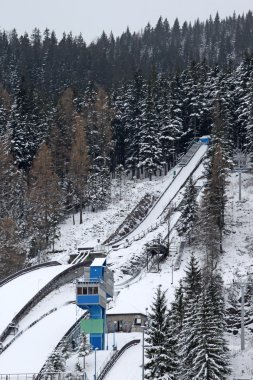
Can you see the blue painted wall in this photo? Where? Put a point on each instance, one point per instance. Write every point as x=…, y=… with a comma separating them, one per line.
x=91, y=303
x=87, y=300
x=96, y=273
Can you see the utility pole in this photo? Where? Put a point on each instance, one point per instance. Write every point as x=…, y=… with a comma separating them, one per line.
x=168, y=254
x=240, y=185
x=169, y=228
x=242, y=318
x=240, y=178
x=143, y=352
x=242, y=286
x=240, y=158
x=172, y=271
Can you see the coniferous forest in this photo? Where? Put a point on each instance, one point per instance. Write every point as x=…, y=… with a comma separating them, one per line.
x=74, y=115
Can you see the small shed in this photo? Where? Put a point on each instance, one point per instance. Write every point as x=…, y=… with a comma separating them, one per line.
x=130, y=320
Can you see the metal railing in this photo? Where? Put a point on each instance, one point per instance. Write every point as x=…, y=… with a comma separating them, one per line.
x=27, y=270
x=45, y=376
x=61, y=278
x=115, y=357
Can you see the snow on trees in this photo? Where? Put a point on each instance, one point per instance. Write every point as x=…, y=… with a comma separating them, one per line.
x=160, y=350
x=79, y=164
x=189, y=211
x=45, y=202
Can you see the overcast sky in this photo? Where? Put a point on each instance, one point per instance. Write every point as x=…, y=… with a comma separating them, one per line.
x=91, y=17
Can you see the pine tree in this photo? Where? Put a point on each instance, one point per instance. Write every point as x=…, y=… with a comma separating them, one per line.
x=134, y=122
x=177, y=309
x=64, y=124
x=212, y=220
x=12, y=224
x=233, y=309
x=189, y=212
x=160, y=350
x=44, y=197
x=5, y=106
x=210, y=352
x=99, y=181
x=119, y=105
x=150, y=150
x=22, y=126
x=187, y=336
x=79, y=163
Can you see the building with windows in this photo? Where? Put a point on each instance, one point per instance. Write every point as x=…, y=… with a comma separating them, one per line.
x=125, y=320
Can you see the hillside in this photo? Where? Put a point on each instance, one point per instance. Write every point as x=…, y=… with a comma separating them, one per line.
x=130, y=158
x=235, y=264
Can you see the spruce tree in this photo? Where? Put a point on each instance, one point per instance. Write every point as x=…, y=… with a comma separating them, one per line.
x=177, y=309
x=210, y=354
x=150, y=150
x=134, y=121
x=99, y=181
x=160, y=350
x=189, y=212
x=212, y=214
x=187, y=336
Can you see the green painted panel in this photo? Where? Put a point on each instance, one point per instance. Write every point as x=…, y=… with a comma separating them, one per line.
x=92, y=326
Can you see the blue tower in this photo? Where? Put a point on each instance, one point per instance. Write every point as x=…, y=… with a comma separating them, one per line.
x=92, y=293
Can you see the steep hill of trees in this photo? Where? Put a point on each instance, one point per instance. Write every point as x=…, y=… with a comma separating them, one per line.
x=50, y=65
x=63, y=134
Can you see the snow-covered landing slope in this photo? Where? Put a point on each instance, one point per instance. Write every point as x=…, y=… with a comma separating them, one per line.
x=28, y=353
x=169, y=194
x=128, y=366
x=16, y=293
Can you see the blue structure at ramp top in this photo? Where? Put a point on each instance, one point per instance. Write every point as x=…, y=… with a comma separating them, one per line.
x=97, y=269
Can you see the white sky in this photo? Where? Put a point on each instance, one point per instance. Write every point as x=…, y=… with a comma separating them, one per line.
x=90, y=17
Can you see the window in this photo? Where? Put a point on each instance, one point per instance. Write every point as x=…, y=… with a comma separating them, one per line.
x=95, y=289
x=89, y=290
x=120, y=325
x=137, y=321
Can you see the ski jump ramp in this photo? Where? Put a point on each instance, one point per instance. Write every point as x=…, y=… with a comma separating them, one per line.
x=183, y=172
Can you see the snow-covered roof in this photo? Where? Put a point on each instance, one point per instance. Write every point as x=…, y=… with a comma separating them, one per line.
x=125, y=309
x=98, y=262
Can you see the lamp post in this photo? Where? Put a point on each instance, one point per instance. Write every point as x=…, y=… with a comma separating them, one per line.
x=114, y=329
x=107, y=337
x=143, y=350
x=95, y=373
x=172, y=271
x=242, y=285
x=84, y=372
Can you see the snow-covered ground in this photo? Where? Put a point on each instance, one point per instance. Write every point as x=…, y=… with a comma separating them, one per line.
x=54, y=315
x=16, y=293
x=57, y=303
x=124, y=366
x=101, y=224
x=98, y=226
x=236, y=261
x=138, y=293
x=166, y=198
x=29, y=352
x=123, y=371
